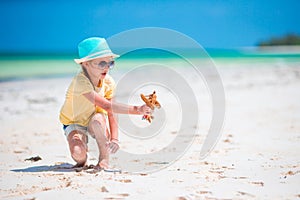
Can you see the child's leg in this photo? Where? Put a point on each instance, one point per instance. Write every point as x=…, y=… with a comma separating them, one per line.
x=97, y=128
x=78, y=147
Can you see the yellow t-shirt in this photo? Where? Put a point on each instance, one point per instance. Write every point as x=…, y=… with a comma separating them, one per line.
x=77, y=109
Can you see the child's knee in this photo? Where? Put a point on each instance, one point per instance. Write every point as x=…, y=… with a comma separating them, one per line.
x=97, y=122
x=77, y=143
x=99, y=118
x=78, y=151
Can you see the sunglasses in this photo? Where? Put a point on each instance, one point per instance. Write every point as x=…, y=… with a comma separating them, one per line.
x=103, y=64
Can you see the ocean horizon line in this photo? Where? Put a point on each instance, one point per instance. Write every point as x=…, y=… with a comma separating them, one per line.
x=267, y=51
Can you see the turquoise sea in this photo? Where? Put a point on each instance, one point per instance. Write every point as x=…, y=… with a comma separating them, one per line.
x=28, y=66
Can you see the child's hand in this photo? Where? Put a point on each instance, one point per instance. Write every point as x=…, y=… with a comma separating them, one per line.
x=145, y=110
x=113, y=146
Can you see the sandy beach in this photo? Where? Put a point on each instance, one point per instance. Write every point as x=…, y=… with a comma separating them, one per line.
x=256, y=157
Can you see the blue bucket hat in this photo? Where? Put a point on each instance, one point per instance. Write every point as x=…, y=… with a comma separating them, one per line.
x=92, y=48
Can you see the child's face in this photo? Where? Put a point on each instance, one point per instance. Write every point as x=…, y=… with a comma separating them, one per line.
x=100, y=66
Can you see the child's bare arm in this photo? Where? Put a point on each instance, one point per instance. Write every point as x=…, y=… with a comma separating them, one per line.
x=113, y=145
x=113, y=126
x=115, y=107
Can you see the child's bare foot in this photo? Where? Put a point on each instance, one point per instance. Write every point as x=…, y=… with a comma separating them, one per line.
x=103, y=164
x=79, y=165
x=106, y=169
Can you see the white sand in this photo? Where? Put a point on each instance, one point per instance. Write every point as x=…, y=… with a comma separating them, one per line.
x=257, y=156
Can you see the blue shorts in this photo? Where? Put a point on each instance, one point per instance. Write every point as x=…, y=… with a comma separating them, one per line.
x=69, y=128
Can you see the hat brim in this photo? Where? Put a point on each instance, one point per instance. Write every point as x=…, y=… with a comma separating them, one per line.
x=85, y=59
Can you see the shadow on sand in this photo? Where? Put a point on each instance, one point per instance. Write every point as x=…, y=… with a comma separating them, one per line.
x=64, y=167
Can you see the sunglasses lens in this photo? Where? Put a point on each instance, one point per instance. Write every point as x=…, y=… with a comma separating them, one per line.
x=104, y=64
x=111, y=64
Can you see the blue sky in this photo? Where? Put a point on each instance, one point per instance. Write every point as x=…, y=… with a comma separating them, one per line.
x=58, y=26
